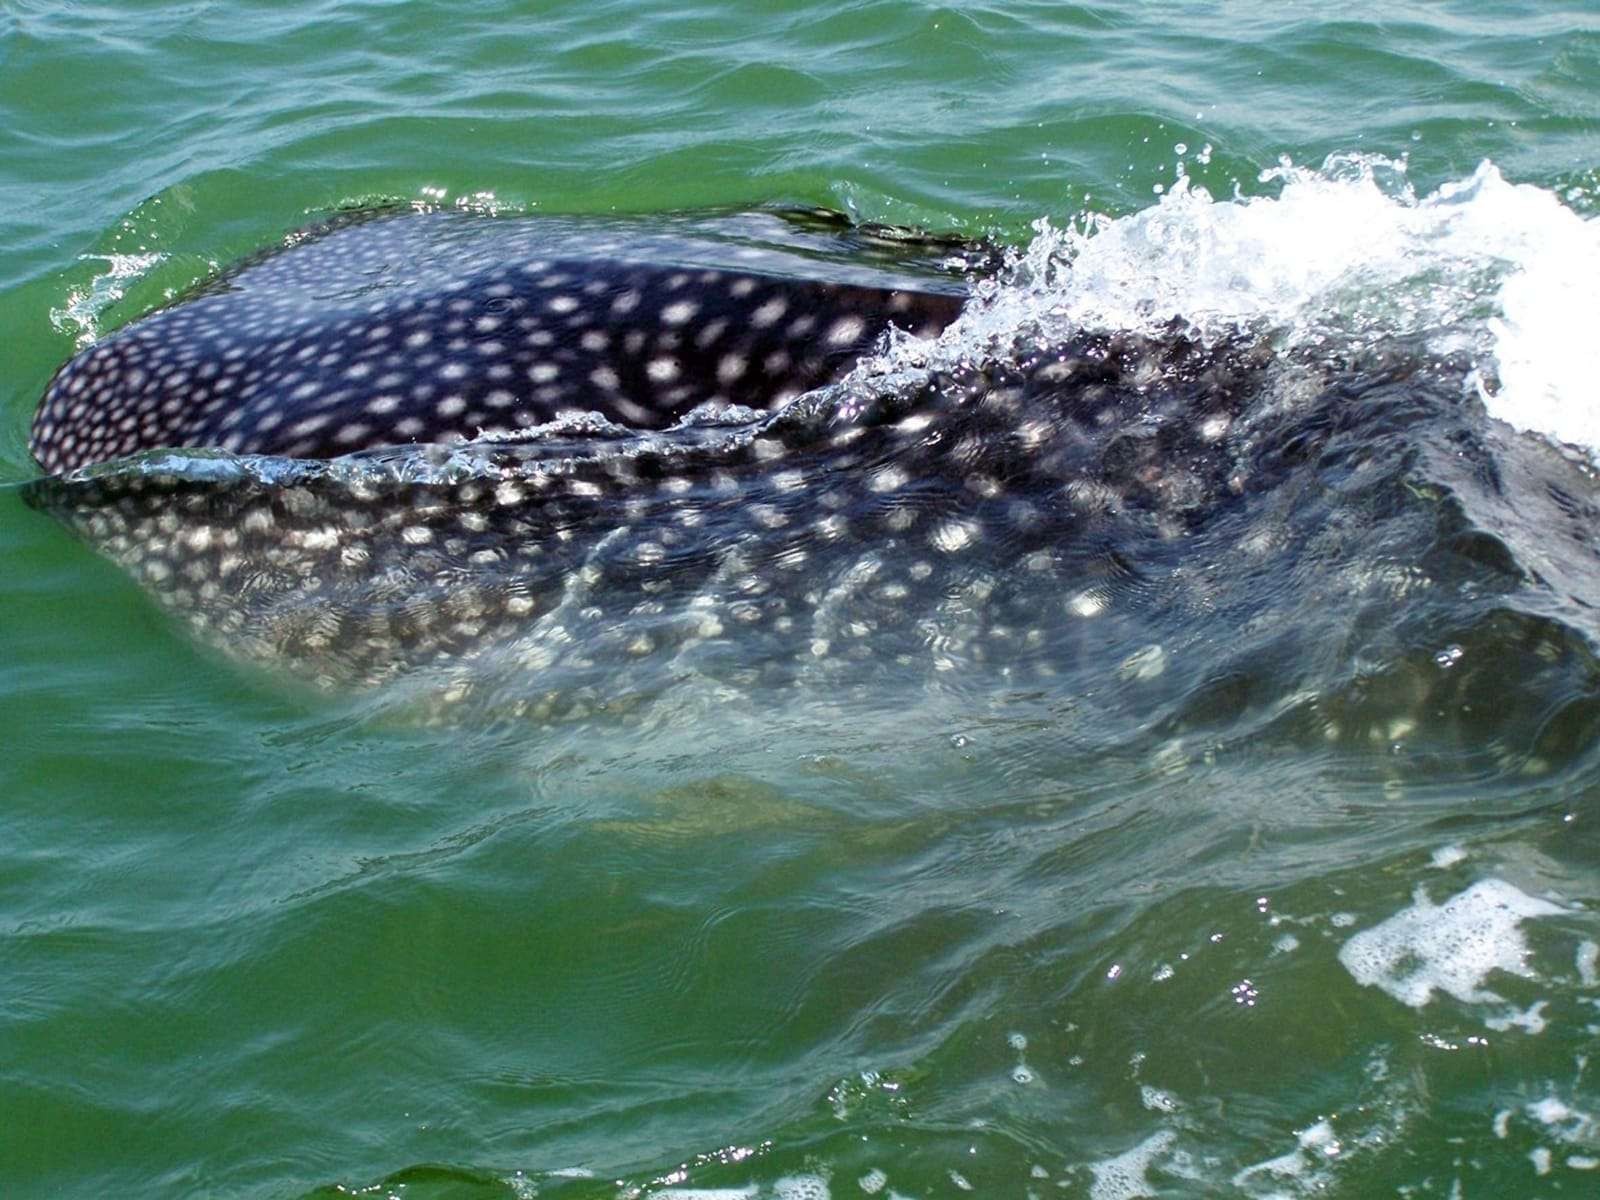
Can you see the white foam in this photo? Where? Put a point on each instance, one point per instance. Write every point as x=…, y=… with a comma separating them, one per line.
x=872, y=1182
x=1587, y=961
x=1157, y=1100
x=1451, y=947
x=1124, y=1176
x=790, y=1187
x=1549, y=1111
x=1448, y=856
x=1530, y=1019
x=800, y=1187
x=1314, y=1145
x=1545, y=343
x=1506, y=272
x=1565, y=1123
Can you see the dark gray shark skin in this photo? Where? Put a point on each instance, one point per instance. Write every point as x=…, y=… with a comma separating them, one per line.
x=972, y=519
x=438, y=326
x=1059, y=522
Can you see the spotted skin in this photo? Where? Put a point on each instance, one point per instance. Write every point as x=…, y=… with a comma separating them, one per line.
x=436, y=327
x=952, y=529
x=970, y=523
x=1135, y=535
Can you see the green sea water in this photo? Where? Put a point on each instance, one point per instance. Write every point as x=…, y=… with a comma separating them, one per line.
x=256, y=944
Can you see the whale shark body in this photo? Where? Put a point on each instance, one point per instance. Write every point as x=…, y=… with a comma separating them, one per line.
x=548, y=467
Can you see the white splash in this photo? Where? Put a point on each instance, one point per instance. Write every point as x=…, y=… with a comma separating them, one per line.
x=1348, y=253
x=80, y=316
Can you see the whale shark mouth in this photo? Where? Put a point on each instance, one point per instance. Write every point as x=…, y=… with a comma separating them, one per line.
x=1014, y=516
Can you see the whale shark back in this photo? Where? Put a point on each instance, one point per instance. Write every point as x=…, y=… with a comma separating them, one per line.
x=443, y=326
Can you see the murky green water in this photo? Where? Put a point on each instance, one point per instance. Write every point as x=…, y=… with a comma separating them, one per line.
x=1168, y=931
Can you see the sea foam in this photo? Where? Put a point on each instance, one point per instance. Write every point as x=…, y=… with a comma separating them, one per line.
x=1451, y=947
x=1345, y=255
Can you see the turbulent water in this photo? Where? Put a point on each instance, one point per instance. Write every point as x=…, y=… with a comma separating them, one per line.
x=1139, y=741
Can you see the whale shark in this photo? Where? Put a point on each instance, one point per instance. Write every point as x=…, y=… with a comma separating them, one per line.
x=554, y=468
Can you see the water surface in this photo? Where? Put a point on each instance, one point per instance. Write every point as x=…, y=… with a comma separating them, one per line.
x=1282, y=885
